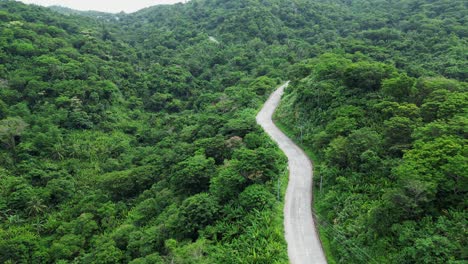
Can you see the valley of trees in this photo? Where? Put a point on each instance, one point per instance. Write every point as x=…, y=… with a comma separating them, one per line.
x=131, y=138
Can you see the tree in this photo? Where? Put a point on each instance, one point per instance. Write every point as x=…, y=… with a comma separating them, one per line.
x=397, y=134
x=401, y=88
x=128, y=183
x=67, y=247
x=193, y=175
x=443, y=104
x=197, y=212
x=20, y=245
x=262, y=84
x=227, y=184
x=11, y=129
x=256, y=197
x=104, y=251
x=366, y=76
x=3, y=109
x=215, y=147
x=256, y=165
x=441, y=166
x=341, y=126
x=149, y=259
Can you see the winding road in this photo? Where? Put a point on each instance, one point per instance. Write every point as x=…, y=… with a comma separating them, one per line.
x=304, y=245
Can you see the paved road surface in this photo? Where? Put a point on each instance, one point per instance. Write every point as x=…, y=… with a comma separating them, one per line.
x=303, y=242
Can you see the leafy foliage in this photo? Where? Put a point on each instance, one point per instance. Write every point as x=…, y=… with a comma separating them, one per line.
x=388, y=181
x=131, y=138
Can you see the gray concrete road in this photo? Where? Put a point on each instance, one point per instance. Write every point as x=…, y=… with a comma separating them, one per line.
x=304, y=245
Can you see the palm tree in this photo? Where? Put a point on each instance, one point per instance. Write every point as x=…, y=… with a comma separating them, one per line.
x=35, y=207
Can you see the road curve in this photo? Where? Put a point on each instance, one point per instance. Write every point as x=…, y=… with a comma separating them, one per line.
x=304, y=245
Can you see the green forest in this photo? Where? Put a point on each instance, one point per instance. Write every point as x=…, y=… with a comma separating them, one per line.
x=131, y=138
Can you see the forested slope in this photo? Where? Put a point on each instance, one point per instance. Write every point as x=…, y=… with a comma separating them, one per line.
x=388, y=127
x=134, y=139
x=109, y=158
x=393, y=159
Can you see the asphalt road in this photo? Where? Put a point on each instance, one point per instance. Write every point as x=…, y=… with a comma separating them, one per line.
x=304, y=245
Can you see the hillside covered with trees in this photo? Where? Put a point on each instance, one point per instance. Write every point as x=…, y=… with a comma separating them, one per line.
x=131, y=138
